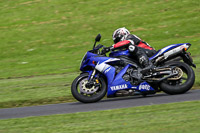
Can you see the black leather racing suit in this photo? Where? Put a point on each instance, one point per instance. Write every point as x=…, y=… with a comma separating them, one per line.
x=140, y=49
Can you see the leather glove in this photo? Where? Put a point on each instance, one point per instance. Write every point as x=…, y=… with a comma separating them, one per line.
x=105, y=50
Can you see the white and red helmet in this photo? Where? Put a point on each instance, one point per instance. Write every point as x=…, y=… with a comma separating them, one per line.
x=120, y=34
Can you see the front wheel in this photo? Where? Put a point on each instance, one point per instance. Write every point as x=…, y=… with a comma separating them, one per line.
x=88, y=95
x=180, y=83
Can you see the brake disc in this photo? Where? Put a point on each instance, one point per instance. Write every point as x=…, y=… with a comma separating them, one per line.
x=179, y=75
x=86, y=90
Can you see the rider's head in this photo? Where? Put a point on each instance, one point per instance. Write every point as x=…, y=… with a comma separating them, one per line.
x=120, y=34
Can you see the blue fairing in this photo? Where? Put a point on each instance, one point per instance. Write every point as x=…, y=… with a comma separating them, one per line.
x=115, y=82
x=144, y=87
x=119, y=53
x=85, y=61
x=118, y=83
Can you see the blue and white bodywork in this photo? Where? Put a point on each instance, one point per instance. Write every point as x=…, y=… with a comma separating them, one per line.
x=170, y=50
x=120, y=75
x=115, y=82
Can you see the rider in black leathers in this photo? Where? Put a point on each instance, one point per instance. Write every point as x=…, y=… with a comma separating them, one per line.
x=137, y=47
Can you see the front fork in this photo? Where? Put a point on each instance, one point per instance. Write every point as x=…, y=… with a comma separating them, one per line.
x=91, y=79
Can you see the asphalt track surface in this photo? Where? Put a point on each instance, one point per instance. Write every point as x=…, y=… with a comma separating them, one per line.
x=106, y=104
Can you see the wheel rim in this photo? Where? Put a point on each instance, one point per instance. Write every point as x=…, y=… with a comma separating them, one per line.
x=178, y=76
x=88, y=92
x=84, y=89
x=180, y=79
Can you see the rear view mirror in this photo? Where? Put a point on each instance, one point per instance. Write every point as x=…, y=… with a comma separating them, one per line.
x=98, y=38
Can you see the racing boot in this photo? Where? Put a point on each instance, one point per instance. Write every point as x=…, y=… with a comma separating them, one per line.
x=142, y=58
x=146, y=64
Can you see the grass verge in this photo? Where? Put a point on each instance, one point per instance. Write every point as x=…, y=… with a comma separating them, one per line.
x=27, y=91
x=165, y=118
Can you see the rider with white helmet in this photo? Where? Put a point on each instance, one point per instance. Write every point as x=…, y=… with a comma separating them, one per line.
x=137, y=47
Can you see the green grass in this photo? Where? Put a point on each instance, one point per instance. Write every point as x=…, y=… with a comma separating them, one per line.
x=36, y=90
x=41, y=39
x=166, y=118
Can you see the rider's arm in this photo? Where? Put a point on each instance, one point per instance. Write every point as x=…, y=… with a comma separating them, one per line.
x=119, y=45
x=139, y=42
x=122, y=44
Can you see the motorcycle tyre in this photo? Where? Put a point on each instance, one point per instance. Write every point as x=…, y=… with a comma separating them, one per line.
x=85, y=99
x=180, y=89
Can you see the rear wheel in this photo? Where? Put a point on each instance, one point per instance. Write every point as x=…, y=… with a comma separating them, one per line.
x=88, y=95
x=180, y=83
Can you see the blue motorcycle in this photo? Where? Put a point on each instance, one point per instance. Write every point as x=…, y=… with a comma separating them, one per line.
x=120, y=75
